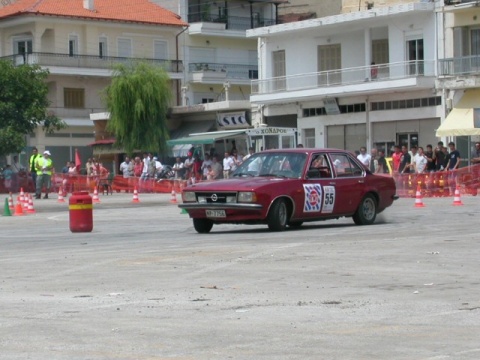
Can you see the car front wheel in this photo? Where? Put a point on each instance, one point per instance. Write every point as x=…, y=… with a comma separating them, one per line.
x=278, y=216
x=366, y=211
x=203, y=226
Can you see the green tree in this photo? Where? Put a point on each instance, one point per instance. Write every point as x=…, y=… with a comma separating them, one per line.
x=23, y=105
x=138, y=99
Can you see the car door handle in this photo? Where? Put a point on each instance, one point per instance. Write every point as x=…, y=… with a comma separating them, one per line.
x=333, y=183
x=361, y=181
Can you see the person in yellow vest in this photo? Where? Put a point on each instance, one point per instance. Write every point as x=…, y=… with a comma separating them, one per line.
x=44, y=166
x=31, y=166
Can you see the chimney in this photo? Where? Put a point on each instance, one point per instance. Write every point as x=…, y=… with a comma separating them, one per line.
x=88, y=4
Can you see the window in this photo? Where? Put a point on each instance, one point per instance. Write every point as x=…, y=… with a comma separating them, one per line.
x=415, y=56
x=329, y=59
x=309, y=138
x=345, y=167
x=319, y=167
x=72, y=45
x=160, y=50
x=102, y=47
x=279, y=70
x=124, y=48
x=23, y=47
x=74, y=98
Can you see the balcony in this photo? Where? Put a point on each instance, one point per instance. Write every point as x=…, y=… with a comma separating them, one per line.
x=212, y=72
x=241, y=23
x=465, y=65
x=88, y=61
x=377, y=78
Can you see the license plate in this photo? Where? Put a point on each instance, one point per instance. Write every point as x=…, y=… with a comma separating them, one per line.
x=215, y=213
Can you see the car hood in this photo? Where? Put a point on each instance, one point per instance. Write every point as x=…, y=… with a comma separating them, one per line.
x=243, y=184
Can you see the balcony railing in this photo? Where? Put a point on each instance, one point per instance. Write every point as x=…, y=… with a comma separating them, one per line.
x=465, y=65
x=232, y=22
x=234, y=71
x=88, y=61
x=347, y=76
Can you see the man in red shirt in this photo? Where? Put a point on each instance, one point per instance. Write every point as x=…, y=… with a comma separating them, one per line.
x=396, y=158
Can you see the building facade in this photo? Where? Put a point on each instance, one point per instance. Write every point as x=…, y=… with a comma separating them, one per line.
x=364, y=78
x=79, y=42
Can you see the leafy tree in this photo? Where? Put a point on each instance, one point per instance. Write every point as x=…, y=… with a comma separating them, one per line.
x=138, y=99
x=23, y=105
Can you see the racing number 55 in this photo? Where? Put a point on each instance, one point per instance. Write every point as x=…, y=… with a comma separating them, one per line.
x=328, y=200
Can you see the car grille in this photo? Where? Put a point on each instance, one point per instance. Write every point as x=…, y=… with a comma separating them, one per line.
x=216, y=197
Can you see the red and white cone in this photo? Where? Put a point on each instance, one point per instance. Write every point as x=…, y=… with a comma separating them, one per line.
x=10, y=202
x=95, y=197
x=60, y=196
x=21, y=196
x=25, y=203
x=31, y=209
x=418, y=198
x=456, y=199
x=173, y=197
x=135, y=196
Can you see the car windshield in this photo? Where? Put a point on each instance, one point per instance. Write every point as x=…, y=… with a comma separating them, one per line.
x=278, y=164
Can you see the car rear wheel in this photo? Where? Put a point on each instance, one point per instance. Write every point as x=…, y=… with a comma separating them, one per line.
x=202, y=226
x=366, y=212
x=278, y=216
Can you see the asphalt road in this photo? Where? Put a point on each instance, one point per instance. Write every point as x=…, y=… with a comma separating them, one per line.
x=145, y=285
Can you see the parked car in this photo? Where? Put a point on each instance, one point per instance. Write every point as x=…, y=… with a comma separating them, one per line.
x=283, y=188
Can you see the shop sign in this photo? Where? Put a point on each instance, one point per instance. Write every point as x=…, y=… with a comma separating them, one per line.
x=232, y=120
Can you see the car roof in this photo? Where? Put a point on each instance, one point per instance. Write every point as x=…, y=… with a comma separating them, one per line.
x=305, y=150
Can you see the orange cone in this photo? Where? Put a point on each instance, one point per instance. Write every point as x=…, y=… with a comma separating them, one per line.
x=30, y=209
x=135, y=196
x=418, y=198
x=456, y=199
x=95, y=197
x=60, y=196
x=173, y=198
x=10, y=202
x=18, y=209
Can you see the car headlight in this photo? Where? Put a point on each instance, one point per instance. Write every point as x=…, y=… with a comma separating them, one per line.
x=188, y=196
x=247, y=197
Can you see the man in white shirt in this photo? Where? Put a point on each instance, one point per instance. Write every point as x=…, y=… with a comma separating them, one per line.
x=205, y=163
x=178, y=169
x=228, y=163
x=126, y=168
x=419, y=161
x=146, y=162
x=364, y=157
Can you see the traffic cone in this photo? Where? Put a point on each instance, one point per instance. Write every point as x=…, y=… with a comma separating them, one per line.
x=456, y=199
x=21, y=196
x=135, y=196
x=418, y=198
x=18, y=209
x=173, y=198
x=95, y=197
x=6, y=209
x=31, y=209
x=25, y=203
x=60, y=196
x=10, y=202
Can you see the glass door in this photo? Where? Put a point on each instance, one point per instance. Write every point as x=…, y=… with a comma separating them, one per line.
x=415, y=57
x=408, y=140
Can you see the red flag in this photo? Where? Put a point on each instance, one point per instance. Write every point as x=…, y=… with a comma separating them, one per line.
x=78, y=161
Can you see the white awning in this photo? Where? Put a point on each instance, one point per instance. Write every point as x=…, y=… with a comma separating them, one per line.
x=464, y=119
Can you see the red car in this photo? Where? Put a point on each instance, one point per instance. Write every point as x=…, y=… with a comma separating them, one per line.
x=283, y=188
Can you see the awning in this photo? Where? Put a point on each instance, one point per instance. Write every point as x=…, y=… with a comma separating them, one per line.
x=205, y=138
x=464, y=119
x=191, y=127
